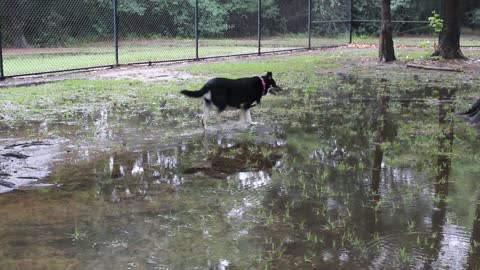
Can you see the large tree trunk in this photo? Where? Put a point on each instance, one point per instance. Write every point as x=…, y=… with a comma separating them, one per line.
x=14, y=18
x=449, y=38
x=19, y=40
x=386, y=50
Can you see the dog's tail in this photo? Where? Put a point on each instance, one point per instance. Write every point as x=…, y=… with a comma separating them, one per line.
x=195, y=94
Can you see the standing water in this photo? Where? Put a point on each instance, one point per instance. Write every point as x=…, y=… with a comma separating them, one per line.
x=363, y=179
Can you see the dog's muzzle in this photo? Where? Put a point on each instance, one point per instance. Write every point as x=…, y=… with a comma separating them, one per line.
x=274, y=90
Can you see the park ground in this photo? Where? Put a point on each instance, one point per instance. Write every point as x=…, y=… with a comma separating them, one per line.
x=357, y=163
x=33, y=101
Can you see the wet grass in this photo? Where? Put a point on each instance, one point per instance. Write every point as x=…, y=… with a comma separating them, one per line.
x=301, y=75
x=62, y=101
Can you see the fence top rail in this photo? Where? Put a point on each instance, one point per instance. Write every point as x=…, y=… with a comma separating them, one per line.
x=332, y=21
x=391, y=21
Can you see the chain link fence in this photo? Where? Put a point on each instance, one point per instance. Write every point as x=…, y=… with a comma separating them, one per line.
x=45, y=36
x=41, y=37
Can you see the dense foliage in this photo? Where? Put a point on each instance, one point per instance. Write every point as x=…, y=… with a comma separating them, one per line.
x=48, y=22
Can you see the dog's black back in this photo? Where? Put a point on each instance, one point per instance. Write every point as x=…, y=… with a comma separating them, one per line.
x=242, y=93
x=239, y=93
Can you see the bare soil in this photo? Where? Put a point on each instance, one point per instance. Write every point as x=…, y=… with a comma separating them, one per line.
x=163, y=72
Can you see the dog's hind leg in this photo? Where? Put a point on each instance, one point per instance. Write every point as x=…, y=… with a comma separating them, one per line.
x=206, y=112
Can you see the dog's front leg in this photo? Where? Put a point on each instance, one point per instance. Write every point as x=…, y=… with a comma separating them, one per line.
x=242, y=116
x=247, y=117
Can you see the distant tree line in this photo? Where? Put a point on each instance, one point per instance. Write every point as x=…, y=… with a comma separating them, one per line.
x=410, y=10
x=27, y=23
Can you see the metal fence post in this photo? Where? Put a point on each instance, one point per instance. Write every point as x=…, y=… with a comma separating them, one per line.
x=2, y=75
x=115, y=30
x=351, y=22
x=309, y=24
x=259, y=27
x=196, y=29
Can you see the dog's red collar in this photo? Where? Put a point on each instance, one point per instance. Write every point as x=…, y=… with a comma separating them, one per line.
x=264, y=91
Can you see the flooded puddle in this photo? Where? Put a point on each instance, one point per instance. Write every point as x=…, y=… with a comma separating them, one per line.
x=359, y=180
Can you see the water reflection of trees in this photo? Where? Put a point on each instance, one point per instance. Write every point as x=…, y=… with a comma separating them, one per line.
x=127, y=174
x=329, y=207
x=326, y=204
x=380, y=138
x=156, y=206
x=131, y=174
x=474, y=255
x=302, y=201
x=443, y=170
x=383, y=122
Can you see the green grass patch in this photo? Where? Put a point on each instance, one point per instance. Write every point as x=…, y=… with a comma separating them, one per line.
x=58, y=60
x=292, y=64
x=304, y=74
x=66, y=99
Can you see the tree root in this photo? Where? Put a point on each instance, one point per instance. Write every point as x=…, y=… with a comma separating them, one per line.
x=472, y=114
x=435, y=68
x=449, y=53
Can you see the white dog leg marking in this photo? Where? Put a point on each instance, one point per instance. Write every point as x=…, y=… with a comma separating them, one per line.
x=248, y=118
x=244, y=116
x=206, y=110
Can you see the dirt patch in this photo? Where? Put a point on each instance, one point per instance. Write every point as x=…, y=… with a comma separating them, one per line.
x=165, y=72
x=22, y=163
x=471, y=66
x=143, y=73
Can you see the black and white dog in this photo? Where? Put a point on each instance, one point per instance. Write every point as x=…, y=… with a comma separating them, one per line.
x=243, y=94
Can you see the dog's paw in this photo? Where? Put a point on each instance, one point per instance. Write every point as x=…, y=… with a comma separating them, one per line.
x=253, y=123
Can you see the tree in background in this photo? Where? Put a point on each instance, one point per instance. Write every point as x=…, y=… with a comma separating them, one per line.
x=470, y=10
x=449, y=38
x=44, y=23
x=330, y=10
x=14, y=20
x=386, y=50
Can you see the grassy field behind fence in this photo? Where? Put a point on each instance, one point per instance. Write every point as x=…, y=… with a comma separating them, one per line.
x=33, y=60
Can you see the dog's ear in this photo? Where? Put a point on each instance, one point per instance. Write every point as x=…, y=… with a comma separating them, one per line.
x=269, y=74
